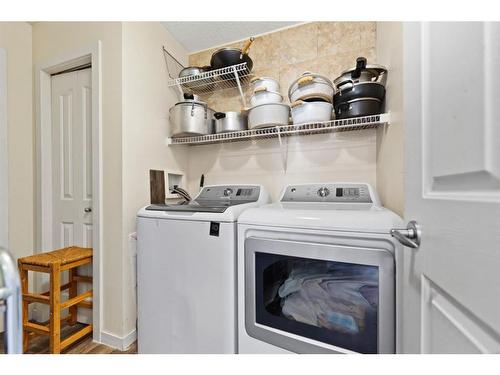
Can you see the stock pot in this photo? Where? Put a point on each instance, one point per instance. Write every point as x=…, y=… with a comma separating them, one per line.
x=191, y=118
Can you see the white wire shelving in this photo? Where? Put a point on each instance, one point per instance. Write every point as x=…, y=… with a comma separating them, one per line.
x=350, y=124
x=235, y=76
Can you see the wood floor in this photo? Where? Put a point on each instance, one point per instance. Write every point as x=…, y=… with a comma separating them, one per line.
x=40, y=344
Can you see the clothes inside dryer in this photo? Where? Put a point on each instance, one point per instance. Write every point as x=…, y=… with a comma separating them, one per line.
x=328, y=301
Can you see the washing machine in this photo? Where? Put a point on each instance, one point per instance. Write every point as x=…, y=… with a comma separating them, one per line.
x=186, y=271
x=316, y=272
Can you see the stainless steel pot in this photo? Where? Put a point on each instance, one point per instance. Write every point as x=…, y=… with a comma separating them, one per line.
x=193, y=72
x=267, y=115
x=311, y=86
x=191, y=118
x=226, y=122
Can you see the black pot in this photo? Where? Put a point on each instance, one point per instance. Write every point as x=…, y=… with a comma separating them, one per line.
x=359, y=90
x=358, y=107
x=224, y=57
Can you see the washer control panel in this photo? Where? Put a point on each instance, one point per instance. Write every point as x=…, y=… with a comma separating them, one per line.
x=329, y=192
x=247, y=193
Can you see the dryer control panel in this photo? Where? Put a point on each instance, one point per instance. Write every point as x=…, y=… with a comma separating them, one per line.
x=328, y=192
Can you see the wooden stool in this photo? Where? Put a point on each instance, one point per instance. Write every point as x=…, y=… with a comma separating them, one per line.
x=54, y=263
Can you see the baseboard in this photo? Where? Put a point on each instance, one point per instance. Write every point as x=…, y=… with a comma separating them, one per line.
x=120, y=343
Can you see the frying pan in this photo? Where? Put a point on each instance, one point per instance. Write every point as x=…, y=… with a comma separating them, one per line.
x=225, y=57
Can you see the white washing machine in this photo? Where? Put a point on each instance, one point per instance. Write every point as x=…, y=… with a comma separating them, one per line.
x=316, y=272
x=186, y=271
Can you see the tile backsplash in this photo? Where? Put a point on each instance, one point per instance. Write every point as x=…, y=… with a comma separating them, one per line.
x=326, y=48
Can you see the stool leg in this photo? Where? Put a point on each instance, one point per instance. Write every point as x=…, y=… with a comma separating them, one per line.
x=73, y=310
x=55, y=308
x=24, y=290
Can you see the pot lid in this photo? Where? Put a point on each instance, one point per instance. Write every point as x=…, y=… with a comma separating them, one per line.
x=377, y=69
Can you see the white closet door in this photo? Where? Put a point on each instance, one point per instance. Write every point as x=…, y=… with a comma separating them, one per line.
x=451, y=300
x=72, y=159
x=72, y=165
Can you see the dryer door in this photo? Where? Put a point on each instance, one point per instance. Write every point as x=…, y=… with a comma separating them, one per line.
x=319, y=298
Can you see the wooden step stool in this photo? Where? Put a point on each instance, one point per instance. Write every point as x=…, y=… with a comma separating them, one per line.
x=54, y=263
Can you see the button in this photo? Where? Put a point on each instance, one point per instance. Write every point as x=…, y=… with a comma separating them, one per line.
x=323, y=192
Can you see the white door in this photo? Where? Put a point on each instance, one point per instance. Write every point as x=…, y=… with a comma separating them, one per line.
x=451, y=299
x=72, y=159
x=72, y=165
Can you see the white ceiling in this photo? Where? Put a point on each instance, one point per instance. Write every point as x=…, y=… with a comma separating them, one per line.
x=197, y=36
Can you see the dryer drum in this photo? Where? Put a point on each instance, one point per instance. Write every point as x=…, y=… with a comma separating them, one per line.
x=351, y=91
x=358, y=107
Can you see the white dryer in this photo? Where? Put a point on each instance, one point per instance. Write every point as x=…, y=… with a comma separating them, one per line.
x=186, y=271
x=316, y=272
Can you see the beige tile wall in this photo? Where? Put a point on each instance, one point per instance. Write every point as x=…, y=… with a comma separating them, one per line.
x=323, y=47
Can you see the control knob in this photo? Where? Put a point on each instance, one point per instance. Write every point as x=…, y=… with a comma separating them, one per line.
x=228, y=192
x=323, y=192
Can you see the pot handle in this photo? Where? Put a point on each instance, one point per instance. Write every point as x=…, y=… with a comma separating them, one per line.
x=305, y=80
x=219, y=115
x=360, y=65
x=343, y=84
x=188, y=96
x=260, y=89
x=345, y=105
x=247, y=45
x=297, y=103
x=256, y=78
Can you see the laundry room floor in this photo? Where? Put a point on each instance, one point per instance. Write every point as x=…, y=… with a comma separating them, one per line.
x=40, y=344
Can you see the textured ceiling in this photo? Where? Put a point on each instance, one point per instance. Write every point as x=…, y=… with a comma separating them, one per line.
x=197, y=36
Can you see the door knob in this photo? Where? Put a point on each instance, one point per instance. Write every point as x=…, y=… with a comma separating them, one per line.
x=410, y=236
x=87, y=209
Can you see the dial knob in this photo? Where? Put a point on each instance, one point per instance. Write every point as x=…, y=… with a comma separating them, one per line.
x=323, y=192
x=228, y=192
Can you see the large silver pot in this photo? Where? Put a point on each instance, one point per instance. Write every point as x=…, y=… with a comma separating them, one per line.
x=191, y=118
x=226, y=122
x=311, y=86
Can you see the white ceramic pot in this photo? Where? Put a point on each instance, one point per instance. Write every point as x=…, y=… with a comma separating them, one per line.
x=268, y=115
x=268, y=83
x=311, y=86
x=262, y=96
x=305, y=112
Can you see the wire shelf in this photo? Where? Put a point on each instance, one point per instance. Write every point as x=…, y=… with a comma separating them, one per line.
x=355, y=123
x=213, y=80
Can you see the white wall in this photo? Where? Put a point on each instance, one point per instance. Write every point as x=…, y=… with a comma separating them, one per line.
x=390, y=140
x=15, y=39
x=146, y=101
x=348, y=156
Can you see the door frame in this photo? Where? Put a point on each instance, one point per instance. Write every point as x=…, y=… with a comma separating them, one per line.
x=4, y=154
x=90, y=54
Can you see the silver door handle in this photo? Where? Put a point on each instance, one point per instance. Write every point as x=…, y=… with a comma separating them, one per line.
x=11, y=294
x=87, y=209
x=410, y=236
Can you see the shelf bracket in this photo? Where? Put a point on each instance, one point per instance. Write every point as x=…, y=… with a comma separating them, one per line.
x=283, y=149
x=240, y=89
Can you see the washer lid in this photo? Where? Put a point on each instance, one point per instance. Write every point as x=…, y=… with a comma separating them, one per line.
x=223, y=203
